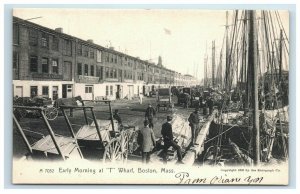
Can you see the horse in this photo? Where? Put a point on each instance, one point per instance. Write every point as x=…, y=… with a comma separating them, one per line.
x=68, y=102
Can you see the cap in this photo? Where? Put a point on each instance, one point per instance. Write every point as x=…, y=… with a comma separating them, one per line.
x=146, y=122
x=169, y=118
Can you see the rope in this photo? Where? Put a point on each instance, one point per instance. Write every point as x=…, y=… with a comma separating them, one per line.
x=221, y=133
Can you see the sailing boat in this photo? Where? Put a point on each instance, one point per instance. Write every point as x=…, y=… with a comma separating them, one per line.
x=255, y=131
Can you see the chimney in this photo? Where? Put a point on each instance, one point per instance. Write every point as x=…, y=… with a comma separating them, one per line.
x=90, y=40
x=59, y=30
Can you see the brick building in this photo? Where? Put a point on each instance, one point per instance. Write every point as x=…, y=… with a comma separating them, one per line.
x=57, y=65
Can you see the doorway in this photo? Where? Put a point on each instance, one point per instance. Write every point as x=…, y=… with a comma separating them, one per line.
x=89, y=92
x=19, y=91
x=67, y=91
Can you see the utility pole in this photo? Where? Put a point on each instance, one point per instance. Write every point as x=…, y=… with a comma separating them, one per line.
x=252, y=61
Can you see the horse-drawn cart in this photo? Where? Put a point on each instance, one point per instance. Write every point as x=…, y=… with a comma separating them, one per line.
x=49, y=110
x=164, y=99
x=51, y=146
x=101, y=139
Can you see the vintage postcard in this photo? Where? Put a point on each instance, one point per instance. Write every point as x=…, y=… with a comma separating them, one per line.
x=150, y=96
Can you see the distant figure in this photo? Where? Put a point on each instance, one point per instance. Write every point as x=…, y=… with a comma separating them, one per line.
x=194, y=124
x=167, y=134
x=200, y=101
x=148, y=141
x=117, y=117
x=210, y=104
x=141, y=98
x=150, y=113
x=15, y=98
x=187, y=99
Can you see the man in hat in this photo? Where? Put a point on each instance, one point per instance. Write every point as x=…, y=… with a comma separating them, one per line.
x=167, y=134
x=148, y=141
x=194, y=124
x=150, y=113
x=117, y=117
x=210, y=104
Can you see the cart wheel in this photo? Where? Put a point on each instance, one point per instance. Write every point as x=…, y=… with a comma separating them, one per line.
x=132, y=142
x=113, y=152
x=51, y=113
x=125, y=138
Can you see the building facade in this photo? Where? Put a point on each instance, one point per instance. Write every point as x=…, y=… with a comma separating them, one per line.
x=57, y=65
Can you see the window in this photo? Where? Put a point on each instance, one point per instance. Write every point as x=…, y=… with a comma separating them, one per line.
x=45, y=91
x=99, y=71
x=45, y=65
x=55, y=66
x=111, y=90
x=79, y=69
x=88, y=89
x=107, y=59
x=45, y=40
x=107, y=90
x=111, y=59
x=67, y=47
x=15, y=34
x=111, y=75
x=33, y=37
x=79, y=49
x=116, y=60
x=15, y=60
x=115, y=73
x=33, y=64
x=92, y=54
x=92, y=70
x=55, y=43
x=33, y=91
x=99, y=56
x=106, y=72
x=85, y=51
x=86, y=69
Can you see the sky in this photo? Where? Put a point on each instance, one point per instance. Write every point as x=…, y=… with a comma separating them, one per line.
x=181, y=37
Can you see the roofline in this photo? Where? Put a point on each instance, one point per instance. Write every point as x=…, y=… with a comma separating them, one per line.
x=76, y=39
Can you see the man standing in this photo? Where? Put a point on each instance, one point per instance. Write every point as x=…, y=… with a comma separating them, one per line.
x=187, y=100
x=150, y=113
x=194, y=123
x=117, y=117
x=148, y=141
x=210, y=104
x=141, y=98
x=167, y=134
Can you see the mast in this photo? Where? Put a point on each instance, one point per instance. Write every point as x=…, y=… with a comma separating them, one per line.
x=213, y=64
x=252, y=61
x=280, y=55
x=226, y=50
x=205, y=72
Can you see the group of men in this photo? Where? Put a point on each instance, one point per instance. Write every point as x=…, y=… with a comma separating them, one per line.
x=147, y=137
x=167, y=133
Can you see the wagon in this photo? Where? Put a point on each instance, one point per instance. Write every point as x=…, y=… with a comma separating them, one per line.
x=164, y=99
x=50, y=111
x=101, y=139
x=51, y=146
